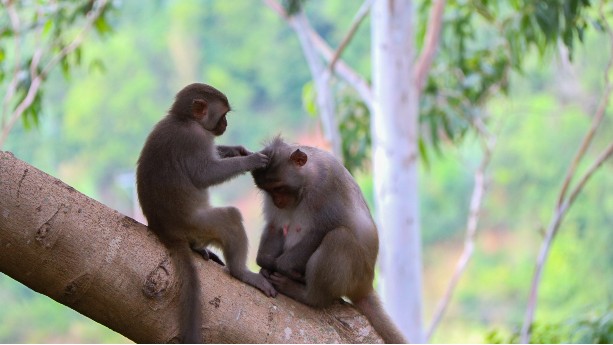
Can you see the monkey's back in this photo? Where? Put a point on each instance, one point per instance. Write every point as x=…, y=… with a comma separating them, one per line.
x=343, y=197
x=171, y=152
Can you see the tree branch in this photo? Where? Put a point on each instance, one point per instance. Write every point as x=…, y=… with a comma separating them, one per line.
x=563, y=203
x=471, y=228
x=321, y=78
x=433, y=33
x=357, y=20
x=113, y=270
x=600, y=112
x=275, y=6
x=345, y=72
x=551, y=231
x=352, y=78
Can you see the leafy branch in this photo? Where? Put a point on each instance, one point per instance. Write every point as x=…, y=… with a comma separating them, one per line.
x=46, y=37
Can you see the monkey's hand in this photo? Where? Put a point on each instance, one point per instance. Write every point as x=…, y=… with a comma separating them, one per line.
x=287, y=286
x=266, y=273
x=242, y=151
x=265, y=261
x=286, y=265
x=257, y=160
x=232, y=151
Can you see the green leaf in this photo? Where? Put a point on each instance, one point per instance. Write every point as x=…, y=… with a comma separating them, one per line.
x=423, y=153
x=102, y=26
x=47, y=27
x=97, y=65
x=547, y=17
x=309, y=99
x=77, y=55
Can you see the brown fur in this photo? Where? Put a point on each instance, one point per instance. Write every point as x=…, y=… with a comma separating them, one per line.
x=320, y=242
x=177, y=165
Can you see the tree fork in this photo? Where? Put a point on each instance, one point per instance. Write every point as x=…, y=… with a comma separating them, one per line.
x=113, y=270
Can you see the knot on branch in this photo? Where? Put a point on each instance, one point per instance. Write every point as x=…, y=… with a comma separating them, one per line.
x=48, y=233
x=157, y=280
x=76, y=288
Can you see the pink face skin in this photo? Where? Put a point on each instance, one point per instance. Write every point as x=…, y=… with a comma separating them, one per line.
x=281, y=197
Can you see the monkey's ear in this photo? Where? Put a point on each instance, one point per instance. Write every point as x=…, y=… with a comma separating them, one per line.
x=199, y=108
x=298, y=157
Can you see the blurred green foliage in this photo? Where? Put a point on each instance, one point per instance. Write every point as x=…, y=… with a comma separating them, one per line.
x=93, y=125
x=596, y=328
x=28, y=317
x=481, y=42
x=49, y=29
x=354, y=125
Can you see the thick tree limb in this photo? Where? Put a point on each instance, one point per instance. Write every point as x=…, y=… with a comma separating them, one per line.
x=111, y=269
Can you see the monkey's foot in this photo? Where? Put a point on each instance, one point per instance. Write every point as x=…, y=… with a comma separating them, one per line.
x=266, y=273
x=208, y=255
x=287, y=286
x=295, y=275
x=258, y=281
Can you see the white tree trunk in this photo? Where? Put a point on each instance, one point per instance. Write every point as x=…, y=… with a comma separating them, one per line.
x=395, y=159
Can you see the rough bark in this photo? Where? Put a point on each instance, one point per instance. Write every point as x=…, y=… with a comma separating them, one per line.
x=111, y=269
x=395, y=158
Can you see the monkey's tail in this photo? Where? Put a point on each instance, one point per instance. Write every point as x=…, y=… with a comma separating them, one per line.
x=190, y=319
x=372, y=308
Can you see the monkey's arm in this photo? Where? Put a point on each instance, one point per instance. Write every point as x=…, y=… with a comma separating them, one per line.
x=271, y=246
x=220, y=170
x=232, y=151
x=292, y=263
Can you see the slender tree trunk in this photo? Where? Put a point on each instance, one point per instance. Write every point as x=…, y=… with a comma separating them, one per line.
x=395, y=158
x=111, y=269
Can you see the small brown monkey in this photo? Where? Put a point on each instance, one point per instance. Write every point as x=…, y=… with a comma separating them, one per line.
x=177, y=165
x=320, y=242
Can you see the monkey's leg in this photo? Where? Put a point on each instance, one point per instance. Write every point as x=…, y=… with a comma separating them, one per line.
x=292, y=263
x=331, y=272
x=271, y=246
x=224, y=226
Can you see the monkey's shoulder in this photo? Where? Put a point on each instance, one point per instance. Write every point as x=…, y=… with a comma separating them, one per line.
x=173, y=135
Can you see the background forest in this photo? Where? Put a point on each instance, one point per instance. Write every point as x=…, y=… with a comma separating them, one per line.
x=94, y=120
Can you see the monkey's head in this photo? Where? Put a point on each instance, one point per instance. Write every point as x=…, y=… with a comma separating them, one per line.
x=204, y=104
x=284, y=177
